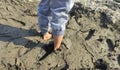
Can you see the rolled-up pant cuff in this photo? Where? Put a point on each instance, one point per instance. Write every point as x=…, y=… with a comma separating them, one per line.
x=43, y=31
x=58, y=33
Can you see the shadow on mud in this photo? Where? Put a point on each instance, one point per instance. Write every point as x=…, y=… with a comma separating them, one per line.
x=49, y=48
x=17, y=36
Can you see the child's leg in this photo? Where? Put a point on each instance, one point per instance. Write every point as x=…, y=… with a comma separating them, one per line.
x=43, y=14
x=60, y=10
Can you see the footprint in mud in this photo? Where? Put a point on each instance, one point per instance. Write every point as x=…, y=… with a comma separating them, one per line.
x=110, y=44
x=104, y=20
x=101, y=64
x=91, y=33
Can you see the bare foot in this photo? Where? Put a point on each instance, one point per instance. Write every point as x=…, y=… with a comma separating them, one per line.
x=47, y=36
x=56, y=48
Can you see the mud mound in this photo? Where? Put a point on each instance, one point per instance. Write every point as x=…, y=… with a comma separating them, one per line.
x=92, y=39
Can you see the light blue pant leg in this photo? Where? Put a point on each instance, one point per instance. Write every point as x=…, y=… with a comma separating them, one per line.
x=59, y=11
x=43, y=16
